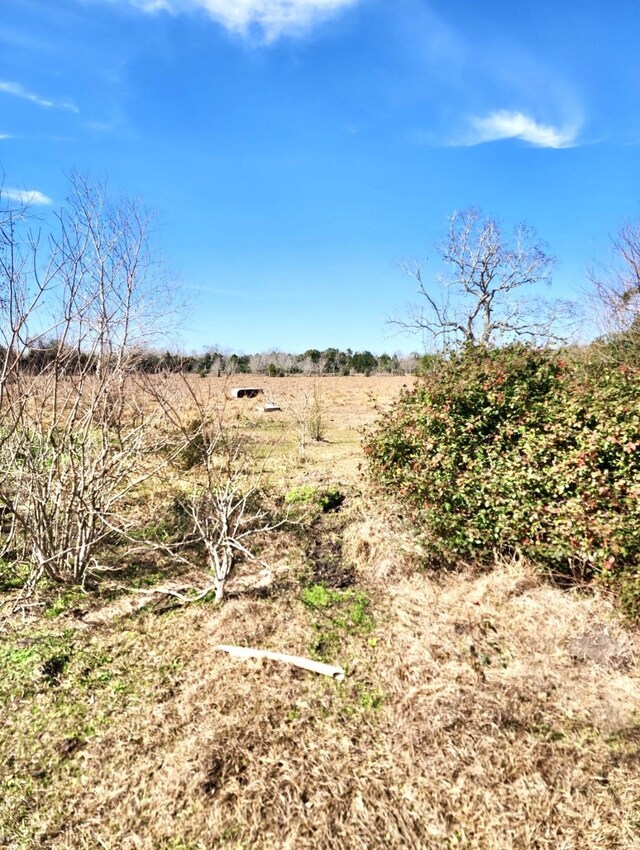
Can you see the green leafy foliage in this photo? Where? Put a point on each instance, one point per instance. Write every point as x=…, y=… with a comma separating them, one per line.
x=518, y=449
x=194, y=451
x=12, y=575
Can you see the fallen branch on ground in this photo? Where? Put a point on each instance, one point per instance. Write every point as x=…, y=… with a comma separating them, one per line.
x=167, y=591
x=334, y=672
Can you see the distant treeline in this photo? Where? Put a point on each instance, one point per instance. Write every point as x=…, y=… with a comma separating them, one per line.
x=331, y=361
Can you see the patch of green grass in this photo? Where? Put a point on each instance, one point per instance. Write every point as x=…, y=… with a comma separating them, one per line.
x=65, y=600
x=158, y=531
x=326, y=500
x=317, y=596
x=12, y=576
x=21, y=664
x=56, y=668
x=326, y=643
x=371, y=699
x=344, y=613
x=351, y=606
x=330, y=499
x=300, y=495
x=359, y=612
x=60, y=689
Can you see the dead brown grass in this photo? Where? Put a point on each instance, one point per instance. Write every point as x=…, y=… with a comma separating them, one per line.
x=349, y=404
x=490, y=711
x=467, y=720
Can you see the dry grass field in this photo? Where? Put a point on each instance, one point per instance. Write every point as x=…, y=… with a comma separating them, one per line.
x=348, y=405
x=485, y=710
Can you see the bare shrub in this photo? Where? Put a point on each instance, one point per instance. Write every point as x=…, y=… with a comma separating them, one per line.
x=77, y=432
x=226, y=498
x=308, y=410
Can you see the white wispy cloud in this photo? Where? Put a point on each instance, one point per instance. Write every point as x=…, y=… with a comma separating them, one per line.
x=274, y=18
x=18, y=90
x=26, y=196
x=516, y=125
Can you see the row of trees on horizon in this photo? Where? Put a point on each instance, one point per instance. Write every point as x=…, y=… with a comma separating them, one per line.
x=273, y=364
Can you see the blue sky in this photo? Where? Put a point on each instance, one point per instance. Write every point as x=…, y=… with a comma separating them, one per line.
x=297, y=151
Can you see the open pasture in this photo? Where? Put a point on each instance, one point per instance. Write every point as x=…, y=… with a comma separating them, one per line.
x=346, y=405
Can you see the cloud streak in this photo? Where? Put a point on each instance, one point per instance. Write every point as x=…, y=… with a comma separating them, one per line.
x=18, y=90
x=273, y=18
x=26, y=196
x=503, y=124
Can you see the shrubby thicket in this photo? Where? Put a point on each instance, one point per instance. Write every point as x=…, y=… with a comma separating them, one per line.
x=522, y=450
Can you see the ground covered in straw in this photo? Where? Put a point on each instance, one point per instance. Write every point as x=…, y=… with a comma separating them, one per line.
x=488, y=710
x=480, y=711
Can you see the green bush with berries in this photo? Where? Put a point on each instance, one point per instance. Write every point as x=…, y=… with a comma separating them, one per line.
x=523, y=450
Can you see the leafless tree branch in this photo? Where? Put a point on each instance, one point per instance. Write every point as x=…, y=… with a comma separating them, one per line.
x=478, y=303
x=78, y=433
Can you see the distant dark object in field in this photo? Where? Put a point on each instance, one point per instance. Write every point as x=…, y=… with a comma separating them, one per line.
x=271, y=407
x=245, y=392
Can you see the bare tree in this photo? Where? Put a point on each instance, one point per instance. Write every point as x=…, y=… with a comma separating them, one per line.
x=226, y=512
x=258, y=363
x=78, y=434
x=22, y=287
x=617, y=285
x=408, y=364
x=312, y=362
x=477, y=300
